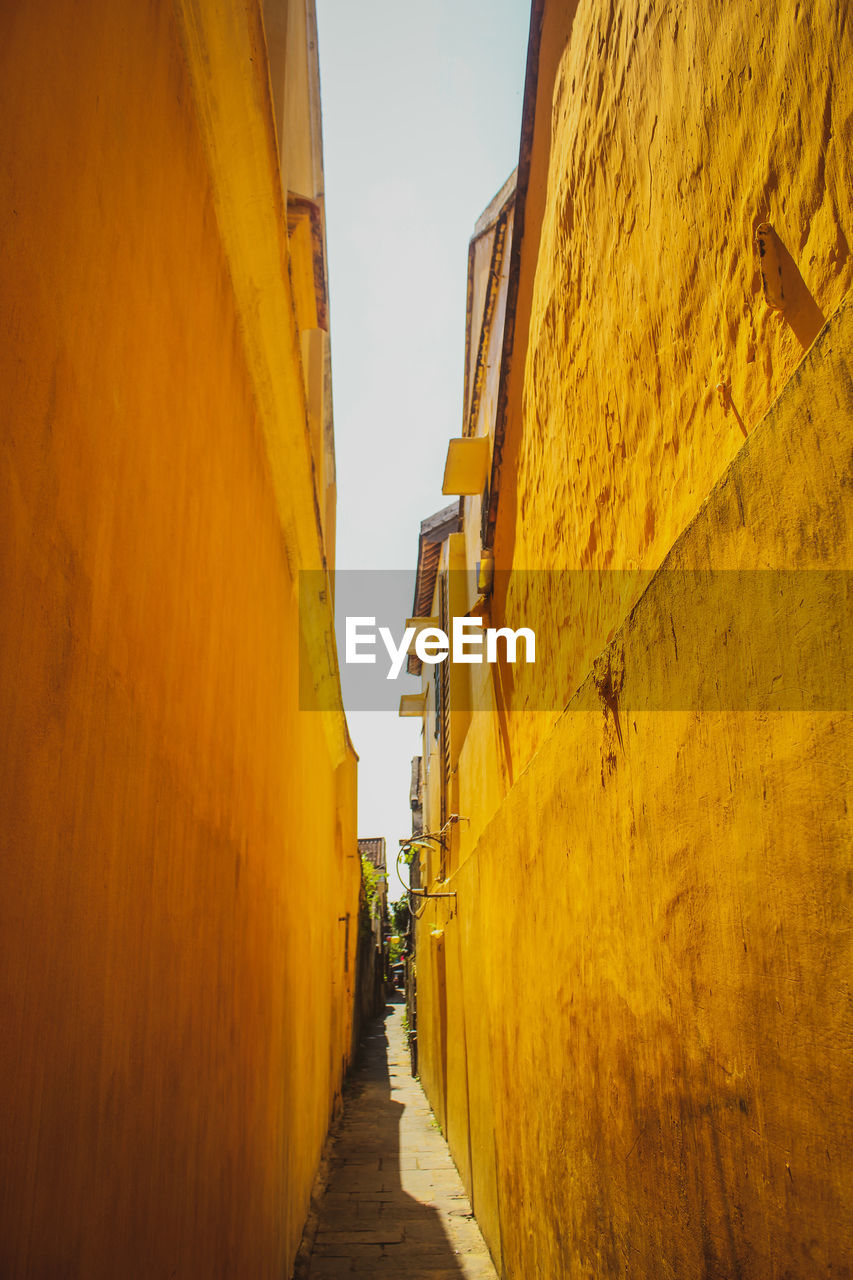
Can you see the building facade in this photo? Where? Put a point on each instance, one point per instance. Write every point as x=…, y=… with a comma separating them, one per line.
x=633, y=976
x=179, y=848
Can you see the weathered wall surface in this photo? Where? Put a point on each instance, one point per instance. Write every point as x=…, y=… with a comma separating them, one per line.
x=634, y=1019
x=177, y=841
x=677, y=130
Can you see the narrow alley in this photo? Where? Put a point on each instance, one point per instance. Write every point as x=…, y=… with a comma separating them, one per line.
x=394, y=1205
x=426, y=564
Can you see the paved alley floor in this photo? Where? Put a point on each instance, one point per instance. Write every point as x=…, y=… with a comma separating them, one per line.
x=394, y=1205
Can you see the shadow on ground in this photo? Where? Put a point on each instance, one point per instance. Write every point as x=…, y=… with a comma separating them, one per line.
x=366, y=1222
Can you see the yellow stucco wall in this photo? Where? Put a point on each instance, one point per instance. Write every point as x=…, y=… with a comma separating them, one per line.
x=647, y=967
x=632, y=1019
x=640, y=294
x=675, y=132
x=178, y=842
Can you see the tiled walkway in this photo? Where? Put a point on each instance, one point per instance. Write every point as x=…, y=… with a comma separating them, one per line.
x=394, y=1206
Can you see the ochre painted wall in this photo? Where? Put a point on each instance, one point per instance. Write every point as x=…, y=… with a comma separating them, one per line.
x=178, y=841
x=675, y=131
x=632, y=1019
x=645, y=978
x=652, y=162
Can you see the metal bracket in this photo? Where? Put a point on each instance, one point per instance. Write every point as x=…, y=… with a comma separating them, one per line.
x=435, y=837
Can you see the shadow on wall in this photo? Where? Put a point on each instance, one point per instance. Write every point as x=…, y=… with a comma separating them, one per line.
x=784, y=288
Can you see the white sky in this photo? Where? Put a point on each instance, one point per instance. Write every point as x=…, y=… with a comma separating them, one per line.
x=421, y=123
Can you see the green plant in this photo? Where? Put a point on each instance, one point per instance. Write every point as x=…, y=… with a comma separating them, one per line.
x=370, y=877
x=400, y=915
x=369, y=905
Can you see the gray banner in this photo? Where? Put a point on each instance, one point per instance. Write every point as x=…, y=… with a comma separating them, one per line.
x=680, y=640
